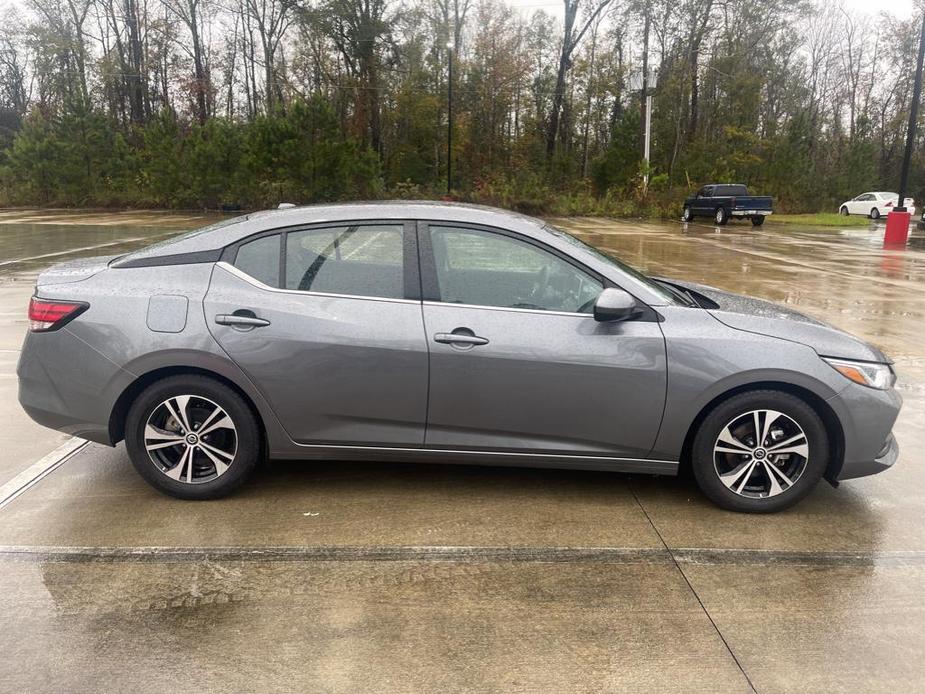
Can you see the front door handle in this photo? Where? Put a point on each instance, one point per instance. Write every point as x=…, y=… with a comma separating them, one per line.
x=241, y=319
x=462, y=337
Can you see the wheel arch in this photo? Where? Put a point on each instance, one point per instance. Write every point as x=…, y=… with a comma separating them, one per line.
x=124, y=402
x=833, y=427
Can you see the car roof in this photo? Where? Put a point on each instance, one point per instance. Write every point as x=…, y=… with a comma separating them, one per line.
x=228, y=231
x=201, y=245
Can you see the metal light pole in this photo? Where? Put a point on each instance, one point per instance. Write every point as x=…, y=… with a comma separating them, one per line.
x=449, y=122
x=897, y=221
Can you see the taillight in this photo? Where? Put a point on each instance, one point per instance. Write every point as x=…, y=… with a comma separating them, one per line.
x=45, y=314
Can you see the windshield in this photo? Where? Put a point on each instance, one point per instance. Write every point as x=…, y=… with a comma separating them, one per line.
x=661, y=290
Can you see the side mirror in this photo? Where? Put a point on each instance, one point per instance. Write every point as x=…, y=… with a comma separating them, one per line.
x=615, y=305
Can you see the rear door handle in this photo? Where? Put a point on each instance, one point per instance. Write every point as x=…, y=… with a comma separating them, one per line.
x=241, y=319
x=460, y=338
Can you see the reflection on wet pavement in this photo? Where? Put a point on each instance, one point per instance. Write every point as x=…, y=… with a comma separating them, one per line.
x=353, y=577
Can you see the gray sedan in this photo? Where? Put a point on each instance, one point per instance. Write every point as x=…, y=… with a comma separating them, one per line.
x=443, y=333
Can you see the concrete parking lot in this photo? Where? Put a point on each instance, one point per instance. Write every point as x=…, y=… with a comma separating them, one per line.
x=346, y=577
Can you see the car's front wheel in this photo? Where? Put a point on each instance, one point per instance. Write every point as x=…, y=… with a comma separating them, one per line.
x=687, y=215
x=843, y=211
x=760, y=451
x=192, y=437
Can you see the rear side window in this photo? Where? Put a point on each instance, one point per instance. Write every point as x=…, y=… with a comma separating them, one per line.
x=359, y=260
x=260, y=259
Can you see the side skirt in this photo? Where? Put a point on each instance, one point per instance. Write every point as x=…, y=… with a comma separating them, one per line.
x=468, y=457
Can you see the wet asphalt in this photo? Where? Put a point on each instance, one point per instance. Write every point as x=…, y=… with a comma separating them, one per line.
x=342, y=577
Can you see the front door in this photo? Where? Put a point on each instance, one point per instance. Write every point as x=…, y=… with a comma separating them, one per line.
x=517, y=361
x=327, y=323
x=862, y=204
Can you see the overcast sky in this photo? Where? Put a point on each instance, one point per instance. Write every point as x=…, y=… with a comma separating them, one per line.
x=897, y=8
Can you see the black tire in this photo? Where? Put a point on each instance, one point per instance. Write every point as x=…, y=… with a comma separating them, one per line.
x=246, y=439
x=843, y=211
x=704, y=458
x=687, y=215
x=757, y=220
x=721, y=216
x=875, y=213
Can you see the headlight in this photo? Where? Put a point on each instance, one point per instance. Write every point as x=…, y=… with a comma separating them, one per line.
x=872, y=375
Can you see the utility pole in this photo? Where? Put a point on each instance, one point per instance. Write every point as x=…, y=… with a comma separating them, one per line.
x=449, y=121
x=897, y=221
x=913, y=121
x=647, y=141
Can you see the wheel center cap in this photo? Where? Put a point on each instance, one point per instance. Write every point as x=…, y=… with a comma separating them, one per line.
x=192, y=439
x=760, y=453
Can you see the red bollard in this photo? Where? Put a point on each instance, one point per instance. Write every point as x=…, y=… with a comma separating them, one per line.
x=897, y=228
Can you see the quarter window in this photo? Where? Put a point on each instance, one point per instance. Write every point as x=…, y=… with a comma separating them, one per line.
x=358, y=260
x=489, y=269
x=260, y=259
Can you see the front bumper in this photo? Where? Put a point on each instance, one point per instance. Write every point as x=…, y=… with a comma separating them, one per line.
x=889, y=454
x=867, y=417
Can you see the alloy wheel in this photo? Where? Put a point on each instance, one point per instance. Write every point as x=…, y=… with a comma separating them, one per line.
x=760, y=454
x=190, y=439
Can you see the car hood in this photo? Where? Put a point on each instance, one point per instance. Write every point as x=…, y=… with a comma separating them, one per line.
x=766, y=318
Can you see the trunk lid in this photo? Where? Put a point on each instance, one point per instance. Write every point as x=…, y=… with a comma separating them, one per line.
x=74, y=270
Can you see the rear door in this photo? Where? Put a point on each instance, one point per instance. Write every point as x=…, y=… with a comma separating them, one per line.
x=518, y=362
x=326, y=321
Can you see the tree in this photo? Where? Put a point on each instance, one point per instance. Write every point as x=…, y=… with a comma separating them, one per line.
x=572, y=36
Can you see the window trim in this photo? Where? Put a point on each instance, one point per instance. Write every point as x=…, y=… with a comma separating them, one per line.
x=410, y=266
x=430, y=286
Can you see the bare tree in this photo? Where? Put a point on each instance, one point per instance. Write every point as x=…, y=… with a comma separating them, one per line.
x=272, y=19
x=190, y=12
x=572, y=36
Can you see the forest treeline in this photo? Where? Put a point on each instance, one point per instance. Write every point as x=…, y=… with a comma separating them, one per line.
x=204, y=103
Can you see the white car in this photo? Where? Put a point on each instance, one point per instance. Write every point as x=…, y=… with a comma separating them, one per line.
x=874, y=205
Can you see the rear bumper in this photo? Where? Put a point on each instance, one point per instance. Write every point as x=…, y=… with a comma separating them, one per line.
x=62, y=385
x=750, y=213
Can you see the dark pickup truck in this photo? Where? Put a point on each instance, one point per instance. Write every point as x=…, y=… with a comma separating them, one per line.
x=724, y=200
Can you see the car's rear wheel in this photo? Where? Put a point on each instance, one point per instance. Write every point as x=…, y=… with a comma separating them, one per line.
x=757, y=220
x=721, y=216
x=875, y=213
x=760, y=451
x=192, y=437
x=687, y=215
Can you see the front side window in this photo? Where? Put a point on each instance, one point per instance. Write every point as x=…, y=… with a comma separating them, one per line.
x=488, y=269
x=357, y=260
x=260, y=259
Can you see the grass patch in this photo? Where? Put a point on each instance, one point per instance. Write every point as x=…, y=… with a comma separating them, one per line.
x=821, y=219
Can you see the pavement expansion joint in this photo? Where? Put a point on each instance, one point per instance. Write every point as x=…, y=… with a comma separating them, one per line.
x=342, y=553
